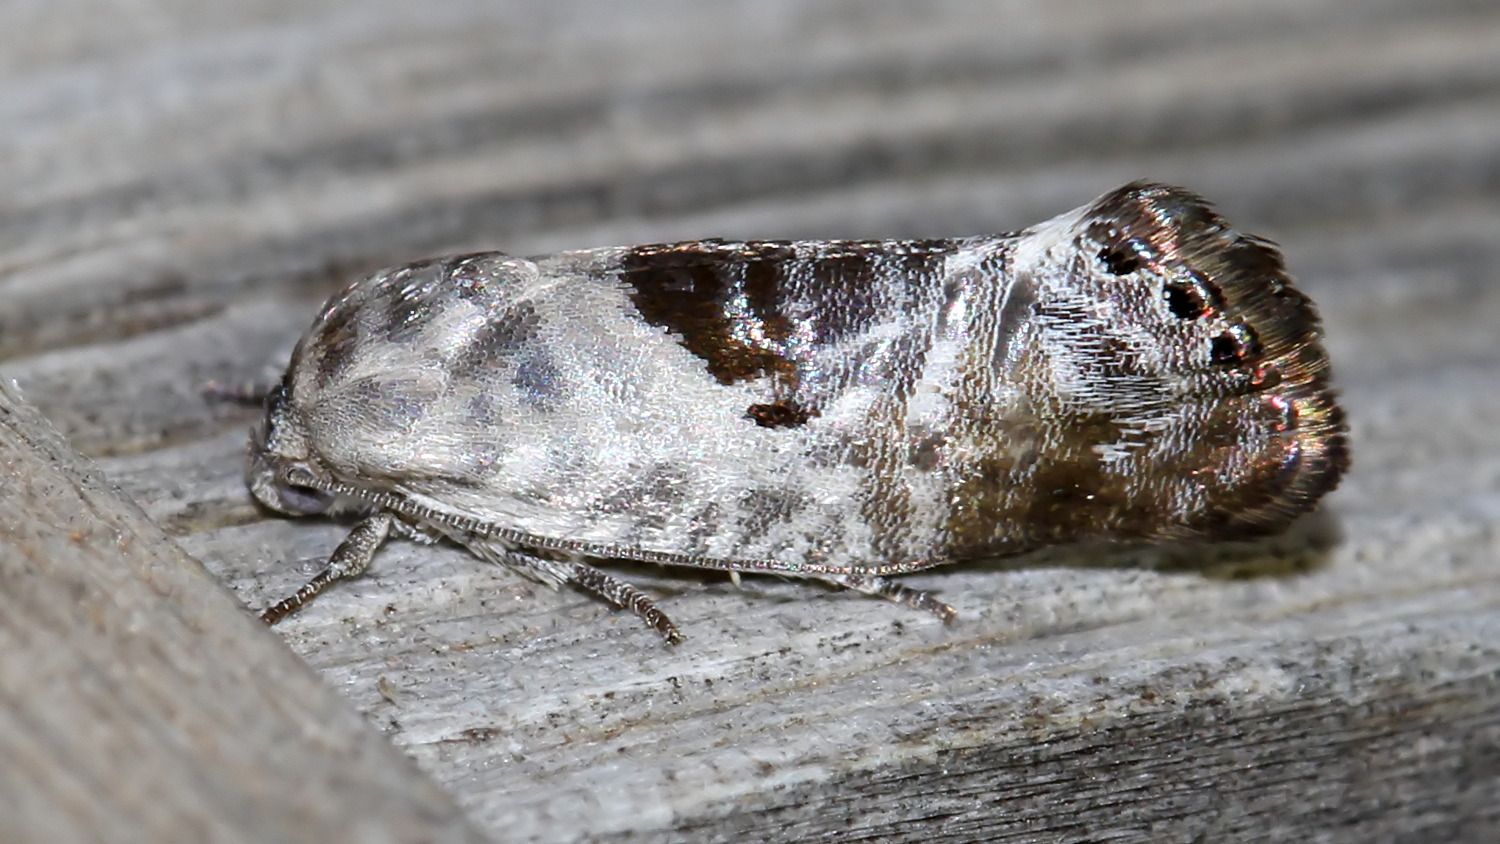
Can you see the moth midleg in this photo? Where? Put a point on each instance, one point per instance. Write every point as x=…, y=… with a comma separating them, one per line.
x=891, y=590
x=625, y=596
x=350, y=559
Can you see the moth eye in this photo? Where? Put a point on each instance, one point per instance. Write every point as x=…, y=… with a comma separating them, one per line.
x=1118, y=261
x=1236, y=344
x=1183, y=301
x=304, y=500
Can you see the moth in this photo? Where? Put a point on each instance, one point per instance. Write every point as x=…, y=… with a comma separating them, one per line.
x=1135, y=370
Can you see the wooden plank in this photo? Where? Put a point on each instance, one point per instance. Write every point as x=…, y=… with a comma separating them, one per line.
x=174, y=204
x=139, y=704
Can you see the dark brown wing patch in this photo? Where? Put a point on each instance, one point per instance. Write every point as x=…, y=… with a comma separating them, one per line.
x=749, y=310
x=724, y=311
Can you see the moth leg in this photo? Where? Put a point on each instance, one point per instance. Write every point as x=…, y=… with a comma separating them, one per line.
x=243, y=392
x=350, y=559
x=626, y=597
x=422, y=534
x=891, y=590
x=597, y=583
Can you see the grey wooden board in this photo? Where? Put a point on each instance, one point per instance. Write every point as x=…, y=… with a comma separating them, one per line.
x=181, y=184
x=140, y=705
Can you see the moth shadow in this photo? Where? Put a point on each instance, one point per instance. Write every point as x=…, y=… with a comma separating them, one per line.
x=1304, y=548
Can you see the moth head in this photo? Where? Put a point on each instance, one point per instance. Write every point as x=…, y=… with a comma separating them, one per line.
x=280, y=471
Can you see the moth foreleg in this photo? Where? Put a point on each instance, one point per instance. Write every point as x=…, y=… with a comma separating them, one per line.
x=350, y=559
x=891, y=590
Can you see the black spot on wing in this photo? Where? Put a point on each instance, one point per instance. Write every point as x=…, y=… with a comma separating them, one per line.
x=780, y=414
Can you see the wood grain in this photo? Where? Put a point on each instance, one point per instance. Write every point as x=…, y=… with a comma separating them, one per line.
x=140, y=704
x=182, y=184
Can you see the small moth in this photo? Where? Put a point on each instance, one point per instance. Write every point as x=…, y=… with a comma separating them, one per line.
x=1134, y=370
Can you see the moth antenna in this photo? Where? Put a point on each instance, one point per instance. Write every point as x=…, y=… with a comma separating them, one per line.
x=350, y=559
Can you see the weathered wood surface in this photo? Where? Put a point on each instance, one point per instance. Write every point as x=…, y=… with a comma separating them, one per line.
x=138, y=704
x=180, y=184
